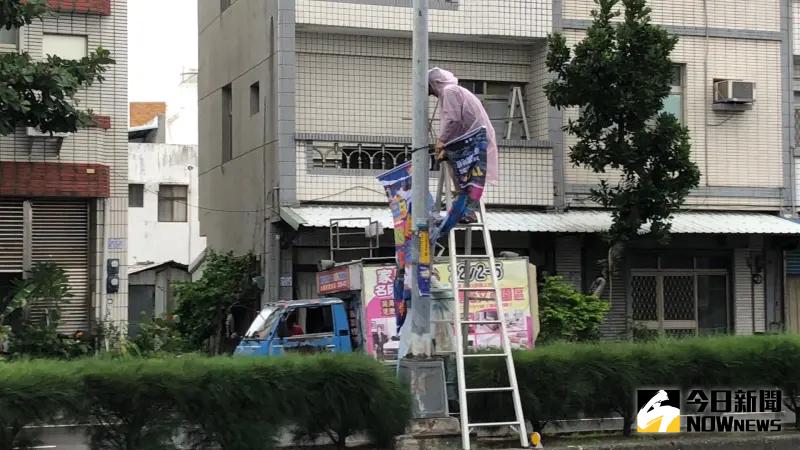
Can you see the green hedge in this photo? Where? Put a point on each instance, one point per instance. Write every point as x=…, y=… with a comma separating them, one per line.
x=242, y=403
x=561, y=381
x=230, y=403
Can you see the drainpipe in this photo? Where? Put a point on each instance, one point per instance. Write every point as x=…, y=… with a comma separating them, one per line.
x=102, y=310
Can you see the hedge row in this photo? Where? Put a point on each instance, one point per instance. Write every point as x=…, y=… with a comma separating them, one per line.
x=563, y=381
x=229, y=403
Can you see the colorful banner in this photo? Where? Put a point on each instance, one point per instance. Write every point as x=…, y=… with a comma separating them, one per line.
x=513, y=280
x=377, y=290
x=397, y=184
x=467, y=157
x=382, y=338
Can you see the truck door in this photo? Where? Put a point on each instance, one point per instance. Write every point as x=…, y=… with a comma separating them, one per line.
x=308, y=329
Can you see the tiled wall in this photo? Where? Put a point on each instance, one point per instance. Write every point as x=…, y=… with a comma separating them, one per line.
x=500, y=18
x=526, y=178
x=796, y=26
x=95, y=145
x=359, y=85
x=736, y=14
x=355, y=84
x=744, y=149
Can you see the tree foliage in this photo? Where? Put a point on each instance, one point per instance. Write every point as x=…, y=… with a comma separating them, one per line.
x=47, y=289
x=204, y=305
x=568, y=315
x=618, y=77
x=42, y=93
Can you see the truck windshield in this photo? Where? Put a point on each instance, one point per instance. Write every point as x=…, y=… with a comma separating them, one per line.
x=263, y=323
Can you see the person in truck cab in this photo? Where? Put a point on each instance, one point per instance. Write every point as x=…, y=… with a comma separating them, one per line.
x=294, y=328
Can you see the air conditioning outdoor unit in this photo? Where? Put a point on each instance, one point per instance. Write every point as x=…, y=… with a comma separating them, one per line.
x=732, y=91
x=36, y=132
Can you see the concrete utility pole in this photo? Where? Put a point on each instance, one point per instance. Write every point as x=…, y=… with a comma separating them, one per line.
x=418, y=335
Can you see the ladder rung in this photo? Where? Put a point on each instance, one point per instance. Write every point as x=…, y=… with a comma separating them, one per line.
x=479, y=322
x=478, y=289
x=490, y=389
x=484, y=355
x=493, y=424
x=473, y=256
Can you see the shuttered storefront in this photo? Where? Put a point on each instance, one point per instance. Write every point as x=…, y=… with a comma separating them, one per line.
x=61, y=235
x=11, y=236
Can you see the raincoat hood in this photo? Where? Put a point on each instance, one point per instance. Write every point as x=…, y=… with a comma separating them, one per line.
x=438, y=79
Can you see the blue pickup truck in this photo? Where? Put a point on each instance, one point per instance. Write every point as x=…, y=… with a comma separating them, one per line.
x=302, y=326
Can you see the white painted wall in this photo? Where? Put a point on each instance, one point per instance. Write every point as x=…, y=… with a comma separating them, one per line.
x=182, y=111
x=149, y=239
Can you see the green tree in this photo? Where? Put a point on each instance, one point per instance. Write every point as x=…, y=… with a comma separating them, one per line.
x=618, y=77
x=565, y=314
x=42, y=93
x=204, y=305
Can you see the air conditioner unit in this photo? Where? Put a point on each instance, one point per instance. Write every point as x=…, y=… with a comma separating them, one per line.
x=732, y=91
x=36, y=132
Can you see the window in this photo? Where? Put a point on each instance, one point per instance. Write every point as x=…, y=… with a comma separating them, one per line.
x=496, y=98
x=64, y=45
x=255, y=98
x=311, y=320
x=679, y=294
x=172, y=203
x=8, y=37
x=135, y=195
x=673, y=104
x=227, y=124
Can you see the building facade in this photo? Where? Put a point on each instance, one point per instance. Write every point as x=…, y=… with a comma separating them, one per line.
x=63, y=199
x=162, y=204
x=303, y=103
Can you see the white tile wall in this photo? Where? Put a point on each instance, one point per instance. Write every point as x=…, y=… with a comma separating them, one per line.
x=737, y=14
x=744, y=149
x=526, y=178
x=109, y=147
x=361, y=84
x=796, y=26
x=498, y=18
x=349, y=84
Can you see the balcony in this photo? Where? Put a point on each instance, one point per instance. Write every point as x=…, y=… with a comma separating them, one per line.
x=342, y=169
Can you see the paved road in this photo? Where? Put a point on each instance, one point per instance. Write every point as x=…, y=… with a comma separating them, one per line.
x=62, y=438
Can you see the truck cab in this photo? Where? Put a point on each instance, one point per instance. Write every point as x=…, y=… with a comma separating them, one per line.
x=298, y=326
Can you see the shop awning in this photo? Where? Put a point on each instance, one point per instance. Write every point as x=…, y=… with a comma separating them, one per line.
x=580, y=221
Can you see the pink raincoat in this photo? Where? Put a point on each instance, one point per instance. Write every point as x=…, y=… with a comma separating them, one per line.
x=460, y=113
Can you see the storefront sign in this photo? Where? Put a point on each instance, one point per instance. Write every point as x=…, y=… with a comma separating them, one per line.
x=334, y=280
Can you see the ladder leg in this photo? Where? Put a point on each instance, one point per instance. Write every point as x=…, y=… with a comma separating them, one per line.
x=512, y=373
x=467, y=269
x=459, y=347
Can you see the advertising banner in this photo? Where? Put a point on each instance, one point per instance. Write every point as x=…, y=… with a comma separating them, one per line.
x=382, y=339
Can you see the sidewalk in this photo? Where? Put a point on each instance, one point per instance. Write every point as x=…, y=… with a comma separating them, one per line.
x=683, y=441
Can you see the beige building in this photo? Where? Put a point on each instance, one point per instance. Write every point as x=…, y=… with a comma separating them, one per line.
x=63, y=198
x=303, y=103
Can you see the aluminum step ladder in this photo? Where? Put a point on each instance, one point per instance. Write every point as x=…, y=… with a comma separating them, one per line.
x=462, y=321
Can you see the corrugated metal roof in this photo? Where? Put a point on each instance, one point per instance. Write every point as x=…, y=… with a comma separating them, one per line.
x=580, y=221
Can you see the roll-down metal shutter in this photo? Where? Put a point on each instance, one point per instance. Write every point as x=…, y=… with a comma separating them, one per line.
x=61, y=235
x=11, y=235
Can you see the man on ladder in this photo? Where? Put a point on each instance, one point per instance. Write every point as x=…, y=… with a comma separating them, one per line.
x=462, y=115
x=467, y=141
